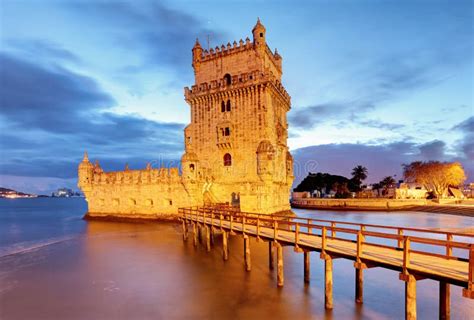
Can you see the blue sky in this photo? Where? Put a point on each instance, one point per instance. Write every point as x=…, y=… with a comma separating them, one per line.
x=377, y=83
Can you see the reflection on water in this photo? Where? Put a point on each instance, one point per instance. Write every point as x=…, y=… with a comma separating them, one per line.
x=103, y=270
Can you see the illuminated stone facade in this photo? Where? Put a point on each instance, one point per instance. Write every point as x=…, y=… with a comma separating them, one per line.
x=235, y=146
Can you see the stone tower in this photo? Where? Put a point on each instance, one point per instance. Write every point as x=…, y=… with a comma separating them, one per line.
x=236, y=143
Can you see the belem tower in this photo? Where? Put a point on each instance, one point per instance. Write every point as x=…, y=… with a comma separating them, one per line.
x=235, y=146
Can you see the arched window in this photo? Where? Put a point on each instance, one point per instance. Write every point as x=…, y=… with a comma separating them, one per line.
x=222, y=106
x=227, y=79
x=227, y=160
x=228, y=105
x=191, y=167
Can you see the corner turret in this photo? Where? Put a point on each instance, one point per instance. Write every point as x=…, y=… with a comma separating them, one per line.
x=197, y=55
x=259, y=34
x=85, y=172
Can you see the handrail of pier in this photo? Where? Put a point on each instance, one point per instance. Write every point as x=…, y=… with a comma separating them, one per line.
x=284, y=223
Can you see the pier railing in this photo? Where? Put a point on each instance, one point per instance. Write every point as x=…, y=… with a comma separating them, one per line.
x=415, y=252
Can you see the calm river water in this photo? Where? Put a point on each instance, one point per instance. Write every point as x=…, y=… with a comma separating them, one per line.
x=53, y=265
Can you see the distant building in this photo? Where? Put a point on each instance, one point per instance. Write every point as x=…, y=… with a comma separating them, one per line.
x=65, y=193
x=410, y=191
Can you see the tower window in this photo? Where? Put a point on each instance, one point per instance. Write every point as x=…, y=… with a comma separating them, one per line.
x=261, y=34
x=227, y=131
x=227, y=160
x=228, y=105
x=222, y=106
x=191, y=167
x=227, y=79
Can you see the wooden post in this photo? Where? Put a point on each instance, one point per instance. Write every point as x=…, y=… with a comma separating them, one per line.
x=469, y=291
x=208, y=238
x=306, y=267
x=225, y=247
x=410, y=297
x=248, y=262
x=297, y=234
x=323, y=242
x=275, y=230
x=400, y=240
x=406, y=255
x=185, y=231
x=449, y=249
x=243, y=225
x=200, y=233
x=333, y=232
x=328, y=303
x=444, y=301
x=309, y=226
x=195, y=234
x=271, y=254
x=212, y=235
x=280, y=274
x=359, y=285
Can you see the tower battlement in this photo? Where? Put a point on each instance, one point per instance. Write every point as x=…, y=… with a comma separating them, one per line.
x=242, y=57
x=238, y=81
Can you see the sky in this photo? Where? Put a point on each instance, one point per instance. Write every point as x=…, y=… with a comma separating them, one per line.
x=375, y=83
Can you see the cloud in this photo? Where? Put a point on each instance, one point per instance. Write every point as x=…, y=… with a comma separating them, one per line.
x=466, y=144
x=159, y=35
x=432, y=150
x=50, y=115
x=381, y=160
x=51, y=100
x=312, y=116
x=373, y=82
x=35, y=49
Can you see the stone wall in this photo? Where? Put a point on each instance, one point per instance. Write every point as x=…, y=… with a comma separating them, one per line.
x=362, y=204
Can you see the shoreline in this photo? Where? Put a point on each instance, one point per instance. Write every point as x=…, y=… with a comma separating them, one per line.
x=430, y=208
x=139, y=218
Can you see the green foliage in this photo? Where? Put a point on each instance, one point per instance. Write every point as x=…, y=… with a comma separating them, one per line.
x=325, y=182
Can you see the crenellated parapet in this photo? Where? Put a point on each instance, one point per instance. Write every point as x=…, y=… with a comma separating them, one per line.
x=238, y=81
x=134, y=177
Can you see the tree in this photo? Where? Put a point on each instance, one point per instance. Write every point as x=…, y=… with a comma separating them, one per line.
x=434, y=175
x=386, y=183
x=359, y=174
x=377, y=186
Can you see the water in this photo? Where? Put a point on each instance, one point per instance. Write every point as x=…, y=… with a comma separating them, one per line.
x=54, y=265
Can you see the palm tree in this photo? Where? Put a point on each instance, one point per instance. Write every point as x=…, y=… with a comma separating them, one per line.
x=359, y=173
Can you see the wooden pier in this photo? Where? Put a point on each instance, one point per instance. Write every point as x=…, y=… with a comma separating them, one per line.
x=442, y=258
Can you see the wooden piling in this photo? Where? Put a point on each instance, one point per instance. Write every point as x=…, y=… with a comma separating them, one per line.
x=248, y=262
x=359, y=285
x=328, y=303
x=208, y=238
x=306, y=267
x=271, y=254
x=410, y=297
x=212, y=235
x=195, y=235
x=199, y=233
x=185, y=231
x=444, y=301
x=280, y=274
x=225, y=247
